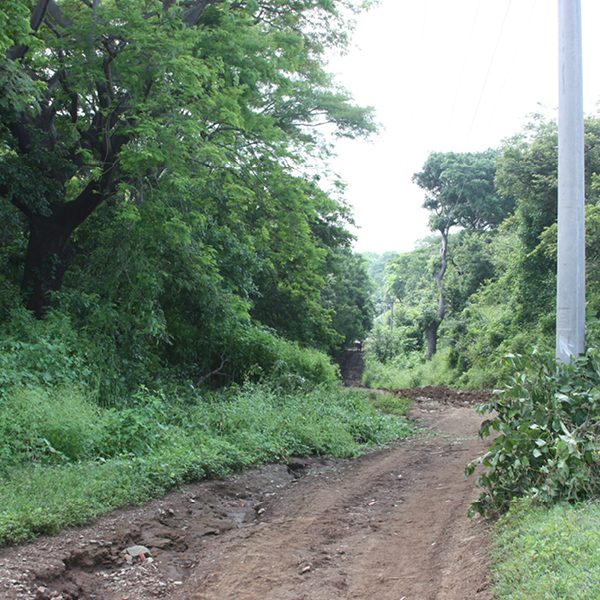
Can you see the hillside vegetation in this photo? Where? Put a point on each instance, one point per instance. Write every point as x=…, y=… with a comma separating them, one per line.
x=177, y=271
x=495, y=218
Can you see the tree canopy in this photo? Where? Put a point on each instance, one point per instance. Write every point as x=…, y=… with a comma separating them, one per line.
x=459, y=191
x=161, y=175
x=205, y=101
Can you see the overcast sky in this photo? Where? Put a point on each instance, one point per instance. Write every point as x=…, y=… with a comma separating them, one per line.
x=443, y=75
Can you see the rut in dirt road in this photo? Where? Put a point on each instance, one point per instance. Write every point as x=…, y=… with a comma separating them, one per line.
x=390, y=525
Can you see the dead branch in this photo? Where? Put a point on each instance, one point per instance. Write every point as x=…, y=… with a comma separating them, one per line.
x=215, y=372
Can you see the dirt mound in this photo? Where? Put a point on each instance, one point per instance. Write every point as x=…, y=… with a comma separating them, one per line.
x=391, y=524
x=444, y=395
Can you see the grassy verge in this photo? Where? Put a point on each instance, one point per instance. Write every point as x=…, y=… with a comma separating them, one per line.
x=67, y=461
x=547, y=554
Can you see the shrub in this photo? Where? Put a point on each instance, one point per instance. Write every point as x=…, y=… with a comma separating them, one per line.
x=548, y=421
x=257, y=353
x=46, y=425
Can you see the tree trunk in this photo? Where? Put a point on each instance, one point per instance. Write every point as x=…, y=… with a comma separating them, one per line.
x=49, y=253
x=432, y=329
x=431, y=336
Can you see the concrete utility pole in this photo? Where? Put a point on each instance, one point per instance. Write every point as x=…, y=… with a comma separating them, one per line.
x=570, y=313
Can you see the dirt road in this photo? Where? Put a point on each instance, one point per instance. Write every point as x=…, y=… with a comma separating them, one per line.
x=390, y=525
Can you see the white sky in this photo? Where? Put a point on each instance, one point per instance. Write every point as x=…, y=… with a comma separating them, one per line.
x=445, y=75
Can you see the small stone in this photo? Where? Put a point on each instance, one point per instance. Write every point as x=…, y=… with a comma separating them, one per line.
x=138, y=551
x=42, y=593
x=305, y=569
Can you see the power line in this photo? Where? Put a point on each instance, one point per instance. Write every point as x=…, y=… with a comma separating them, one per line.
x=419, y=70
x=488, y=72
x=462, y=71
x=512, y=62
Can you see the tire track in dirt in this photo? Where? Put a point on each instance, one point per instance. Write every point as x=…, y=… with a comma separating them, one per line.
x=389, y=525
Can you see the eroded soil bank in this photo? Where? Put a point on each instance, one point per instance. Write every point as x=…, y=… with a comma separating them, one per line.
x=390, y=525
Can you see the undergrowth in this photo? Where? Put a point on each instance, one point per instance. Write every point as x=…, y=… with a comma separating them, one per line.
x=545, y=426
x=411, y=370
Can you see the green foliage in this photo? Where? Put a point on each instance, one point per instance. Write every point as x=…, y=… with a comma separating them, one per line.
x=527, y=170
x=392, y=405
x=410, y=369
x=409, y=276
x=541, y=554
x=95, y=355
x=349, y=295
x=48, y=426
x=460, y=190
x=40, y=354
x=499, y=286
x=382, y=344
x=257, y=354
x=547, y=427
x=14, y=24
x=165, y=162
x=377, y=265
x=113, y=457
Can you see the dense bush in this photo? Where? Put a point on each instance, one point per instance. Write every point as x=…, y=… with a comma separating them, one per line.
x=545, y=429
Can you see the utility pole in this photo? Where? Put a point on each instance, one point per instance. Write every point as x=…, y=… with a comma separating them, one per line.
x=570, y=298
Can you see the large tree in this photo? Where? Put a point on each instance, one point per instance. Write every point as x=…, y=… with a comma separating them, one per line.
x=459, y=191
x=142, y=100
x=528, y=171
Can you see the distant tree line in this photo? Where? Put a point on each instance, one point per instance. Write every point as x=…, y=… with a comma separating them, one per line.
x=491, y=289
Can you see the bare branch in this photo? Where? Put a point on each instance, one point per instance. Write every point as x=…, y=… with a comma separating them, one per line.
x=39, y=12
x=215, y=372
x=58, y=15
x=192, y=15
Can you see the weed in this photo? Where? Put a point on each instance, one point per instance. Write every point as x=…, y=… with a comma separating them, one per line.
x=541, y=554
x=112, y=457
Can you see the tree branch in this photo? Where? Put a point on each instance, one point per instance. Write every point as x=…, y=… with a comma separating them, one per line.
x=215, y=372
